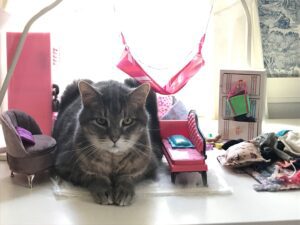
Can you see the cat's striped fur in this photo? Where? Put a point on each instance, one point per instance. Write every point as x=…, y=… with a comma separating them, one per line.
x=107, y=138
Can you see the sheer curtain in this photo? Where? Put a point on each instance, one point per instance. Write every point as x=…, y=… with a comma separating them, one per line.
x=162, y=35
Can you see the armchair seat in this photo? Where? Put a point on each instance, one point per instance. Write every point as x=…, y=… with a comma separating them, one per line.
x=43, y=145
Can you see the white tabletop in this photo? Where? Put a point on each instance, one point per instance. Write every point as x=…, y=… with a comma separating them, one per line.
x=21, y=205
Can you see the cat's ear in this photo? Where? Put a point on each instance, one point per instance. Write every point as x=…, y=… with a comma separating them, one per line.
x=87, y=93
x=139, y=95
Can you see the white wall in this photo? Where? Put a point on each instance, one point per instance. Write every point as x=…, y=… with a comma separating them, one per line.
x=160, y=36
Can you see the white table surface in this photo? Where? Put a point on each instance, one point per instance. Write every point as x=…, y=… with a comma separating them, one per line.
x=20, y=205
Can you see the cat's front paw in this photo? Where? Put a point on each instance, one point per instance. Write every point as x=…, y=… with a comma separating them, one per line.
x=123, y=195
x=103, y=196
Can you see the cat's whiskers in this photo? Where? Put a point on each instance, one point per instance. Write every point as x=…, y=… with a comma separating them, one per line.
x=141, y=153
x=77, y=149
x=89, y=151
x=139, y=150
x=137, y=143
x=143, y=145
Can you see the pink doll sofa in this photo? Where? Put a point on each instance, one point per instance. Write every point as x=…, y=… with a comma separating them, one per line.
x=185, y=159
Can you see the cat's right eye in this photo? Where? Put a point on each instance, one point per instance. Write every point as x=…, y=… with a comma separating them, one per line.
x=127, y=121
x=101, y=121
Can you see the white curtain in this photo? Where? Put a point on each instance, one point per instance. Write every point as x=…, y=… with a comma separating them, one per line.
x=162, y=35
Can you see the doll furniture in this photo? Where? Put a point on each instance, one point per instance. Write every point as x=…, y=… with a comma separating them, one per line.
x=23, y=157
x=185, y=159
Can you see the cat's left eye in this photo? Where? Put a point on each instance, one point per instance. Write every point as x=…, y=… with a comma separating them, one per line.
x=101, y=121
x=127, y=121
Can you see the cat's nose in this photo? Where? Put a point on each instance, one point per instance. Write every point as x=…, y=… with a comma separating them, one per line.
x=114, y=139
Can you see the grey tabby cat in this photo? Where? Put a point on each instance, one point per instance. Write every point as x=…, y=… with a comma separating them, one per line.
x=107, y=138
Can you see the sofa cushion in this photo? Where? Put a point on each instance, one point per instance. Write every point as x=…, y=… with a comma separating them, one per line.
x=179, y=141
x=183, y=156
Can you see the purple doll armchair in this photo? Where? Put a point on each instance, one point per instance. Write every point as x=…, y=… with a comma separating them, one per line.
x=28, y=151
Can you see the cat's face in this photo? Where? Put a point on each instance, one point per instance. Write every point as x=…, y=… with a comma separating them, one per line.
x=113, y=116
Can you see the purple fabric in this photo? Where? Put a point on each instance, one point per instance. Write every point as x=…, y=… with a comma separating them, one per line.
x=26, y=136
